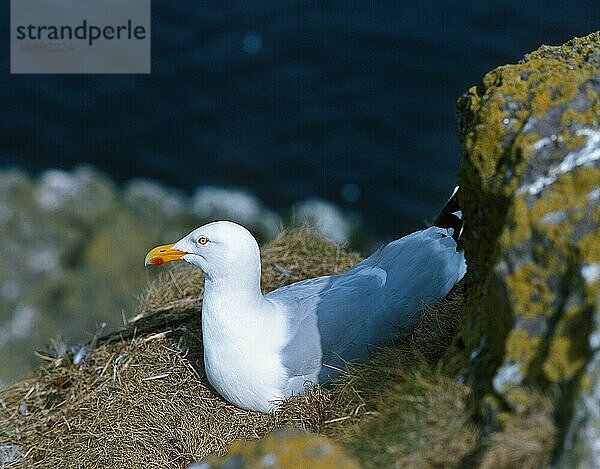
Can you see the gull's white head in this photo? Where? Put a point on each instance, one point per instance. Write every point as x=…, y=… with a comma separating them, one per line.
x=221, y=249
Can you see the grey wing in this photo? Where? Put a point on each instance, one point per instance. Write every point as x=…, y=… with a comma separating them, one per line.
x=330, y=321
x=302, y=354
x=336, y=319
x=350, y=318
x=421, y=268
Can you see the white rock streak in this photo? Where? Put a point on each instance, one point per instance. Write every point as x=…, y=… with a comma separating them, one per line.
x=591, y=273
x=582, y=157
x=509, y=374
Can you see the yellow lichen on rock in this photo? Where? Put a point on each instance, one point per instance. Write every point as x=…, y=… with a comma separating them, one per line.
x=528, y=290
x=520, y=346
x=284, y=449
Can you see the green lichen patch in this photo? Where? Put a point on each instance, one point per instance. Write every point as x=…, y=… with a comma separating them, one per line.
x=529, y=291
x=520, y=346
x=589, y=246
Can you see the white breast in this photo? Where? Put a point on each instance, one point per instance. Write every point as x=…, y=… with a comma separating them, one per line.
x=241, y=353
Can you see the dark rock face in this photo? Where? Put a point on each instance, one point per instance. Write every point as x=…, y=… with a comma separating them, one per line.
x=530, y=180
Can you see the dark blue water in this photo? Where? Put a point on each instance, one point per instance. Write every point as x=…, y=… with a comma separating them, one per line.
x=288, y=98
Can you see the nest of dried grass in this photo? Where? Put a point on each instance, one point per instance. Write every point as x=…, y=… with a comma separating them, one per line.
x=141, y=398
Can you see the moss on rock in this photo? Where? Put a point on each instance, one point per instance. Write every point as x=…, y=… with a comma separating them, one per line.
x=284, y=449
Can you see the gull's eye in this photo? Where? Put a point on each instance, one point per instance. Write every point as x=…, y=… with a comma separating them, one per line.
x=202, y=240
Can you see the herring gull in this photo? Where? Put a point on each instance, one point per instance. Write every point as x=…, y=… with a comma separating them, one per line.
x=260, y=348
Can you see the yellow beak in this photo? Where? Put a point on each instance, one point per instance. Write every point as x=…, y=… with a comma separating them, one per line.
x=161, y=254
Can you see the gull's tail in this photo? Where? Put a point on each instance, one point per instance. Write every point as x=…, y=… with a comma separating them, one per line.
x=451, y=217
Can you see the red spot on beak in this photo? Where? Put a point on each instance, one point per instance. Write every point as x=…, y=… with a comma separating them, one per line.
x=163, y=254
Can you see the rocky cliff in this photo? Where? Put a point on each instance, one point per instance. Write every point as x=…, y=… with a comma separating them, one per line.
x=530, y=179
